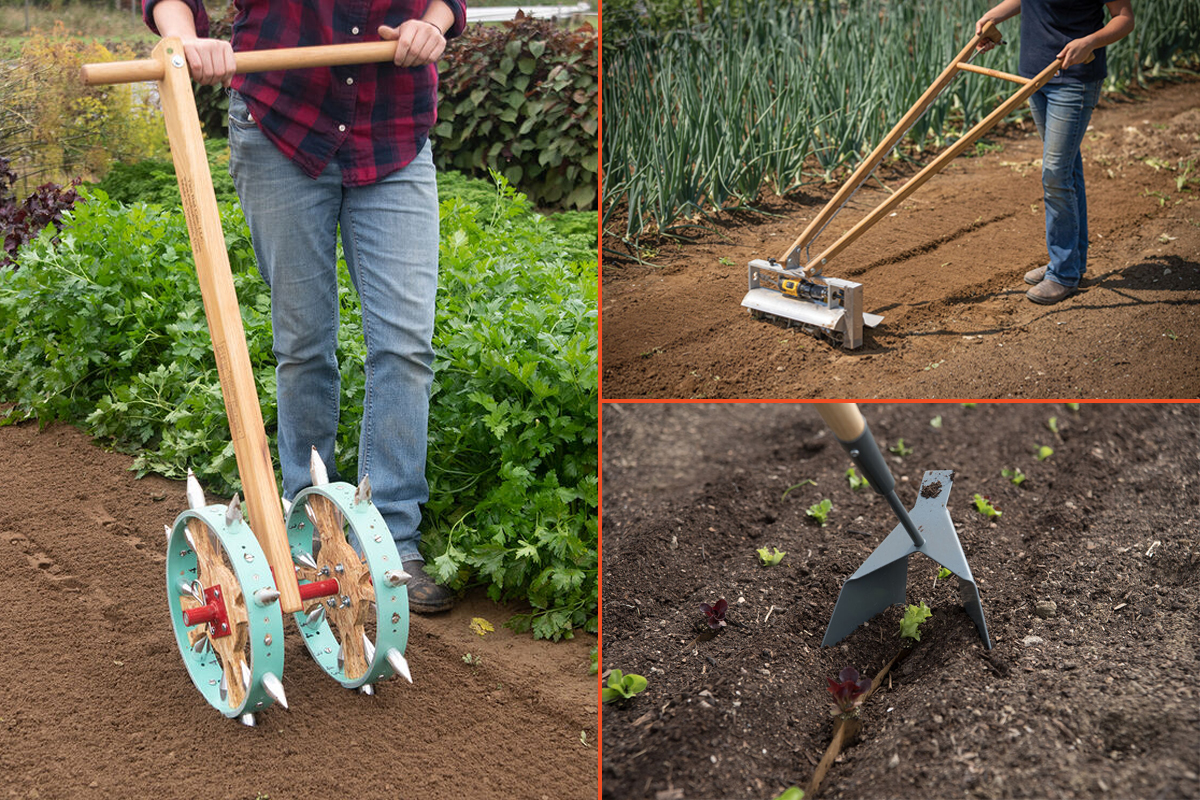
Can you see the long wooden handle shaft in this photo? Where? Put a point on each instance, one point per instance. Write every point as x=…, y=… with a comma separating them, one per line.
x=792, y=257
x=939, y=163
x=225, y=321
x=332, y=55
x=844, y=419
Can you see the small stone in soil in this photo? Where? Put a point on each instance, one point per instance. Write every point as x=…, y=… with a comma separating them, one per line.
x=1046, y=609
x=894, y=761
x=1029, y=641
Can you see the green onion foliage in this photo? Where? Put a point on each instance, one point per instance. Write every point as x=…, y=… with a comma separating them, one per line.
x=106, y=329
x=766, y=95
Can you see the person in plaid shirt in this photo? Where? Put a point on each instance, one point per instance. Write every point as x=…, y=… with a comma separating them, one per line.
x=316, y=151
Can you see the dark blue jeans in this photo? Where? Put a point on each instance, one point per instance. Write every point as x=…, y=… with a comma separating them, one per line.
x=1061, y=112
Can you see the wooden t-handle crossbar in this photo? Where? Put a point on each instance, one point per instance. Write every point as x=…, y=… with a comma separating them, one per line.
x=332, y=55
x=792, y=257
x=939, y=163
x=224, y=318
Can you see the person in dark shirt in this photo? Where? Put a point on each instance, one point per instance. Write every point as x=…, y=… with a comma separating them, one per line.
x=1071, y=30
x=319, y=150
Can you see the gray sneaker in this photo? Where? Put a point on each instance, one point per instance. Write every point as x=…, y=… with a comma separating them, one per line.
x=1036, y=276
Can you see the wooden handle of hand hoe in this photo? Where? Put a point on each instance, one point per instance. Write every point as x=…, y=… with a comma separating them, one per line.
x=332, y=55
x=844, y=419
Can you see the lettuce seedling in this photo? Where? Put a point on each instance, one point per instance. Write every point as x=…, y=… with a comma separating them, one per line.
x=900, y=449
x=1044, y=452
x=910, y=626
x=936, y=422
x=771, y=559
x=944, y=573
x=847, y=691
x=1015, y=475
x=856, y=481
x=820, y=511
x=715, y=613
x=621, y=686
x=984, y=506
x=792, y=793
x=1052, y=424
x=969, y=405
x=1073, y=406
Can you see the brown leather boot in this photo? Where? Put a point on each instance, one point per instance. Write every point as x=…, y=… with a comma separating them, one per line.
x=1047, y=293
x=1036, y=276
x=425, y=596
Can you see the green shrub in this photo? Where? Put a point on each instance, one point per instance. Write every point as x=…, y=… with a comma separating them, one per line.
x=522, y=98
x=152, y=181
x=107, y=329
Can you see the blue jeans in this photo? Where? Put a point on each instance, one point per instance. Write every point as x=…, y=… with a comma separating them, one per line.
x=1061, y=112
x=390, y=237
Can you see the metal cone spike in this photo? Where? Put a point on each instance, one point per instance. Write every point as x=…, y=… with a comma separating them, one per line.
x=399, y=663
x=247, y=720
x=368, y=648
x=167, y=531
x=367, y=688
x=233, y=511
x=304, y=559
x=245, y=676
x=316, y=469
x=273, y=687
x=195, y=495
x=397, y=577
x=316, y=616
x=187, y=534
x=363, y=492
x=189, y=589
x=265, y=597
x=200, y=646
x=341, y=657
x=287, y=506
x=224, y=687
x=312, y=515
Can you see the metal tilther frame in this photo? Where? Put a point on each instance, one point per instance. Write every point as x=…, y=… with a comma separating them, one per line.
x=332, y=562
x=793, y=288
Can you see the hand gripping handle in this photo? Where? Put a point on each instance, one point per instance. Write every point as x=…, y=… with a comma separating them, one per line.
x=331, y=55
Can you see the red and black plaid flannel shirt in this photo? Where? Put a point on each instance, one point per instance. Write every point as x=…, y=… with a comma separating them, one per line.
x=372, y=118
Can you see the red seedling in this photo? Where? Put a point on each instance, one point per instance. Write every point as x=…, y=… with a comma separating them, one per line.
x=715, y=613
x=848, y=690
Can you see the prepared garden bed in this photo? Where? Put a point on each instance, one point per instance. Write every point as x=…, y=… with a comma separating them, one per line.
x=97, y=702
x=1089, y=579
x=945, y=271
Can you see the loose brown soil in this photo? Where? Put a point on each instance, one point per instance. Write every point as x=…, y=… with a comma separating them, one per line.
x=95, y=702
x=1101, y=700
x=946, y=273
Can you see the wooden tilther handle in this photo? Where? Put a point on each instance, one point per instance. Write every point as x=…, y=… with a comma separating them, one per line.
x=330, y=55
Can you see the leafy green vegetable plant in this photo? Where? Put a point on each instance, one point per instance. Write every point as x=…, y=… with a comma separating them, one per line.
x=910, y=625
x=900, y=450
x=936, y=422
x=1016, y=476
x=1052, y=424
x=820, y=511
x=856, y=481
x=770, y=559
x=106, y=329
x=943, y=573
x=621, y=686
x=791, y=793
x=1044, y=452
x=984, y=506
x=1073, y=406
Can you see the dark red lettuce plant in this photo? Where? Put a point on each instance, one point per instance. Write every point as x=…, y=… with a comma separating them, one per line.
x=715, y=613
x=848, y=691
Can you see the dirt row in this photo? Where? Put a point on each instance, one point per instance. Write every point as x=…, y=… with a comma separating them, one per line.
x=95, y=701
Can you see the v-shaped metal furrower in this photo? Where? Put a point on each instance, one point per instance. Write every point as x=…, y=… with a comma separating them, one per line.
x=881, y=580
